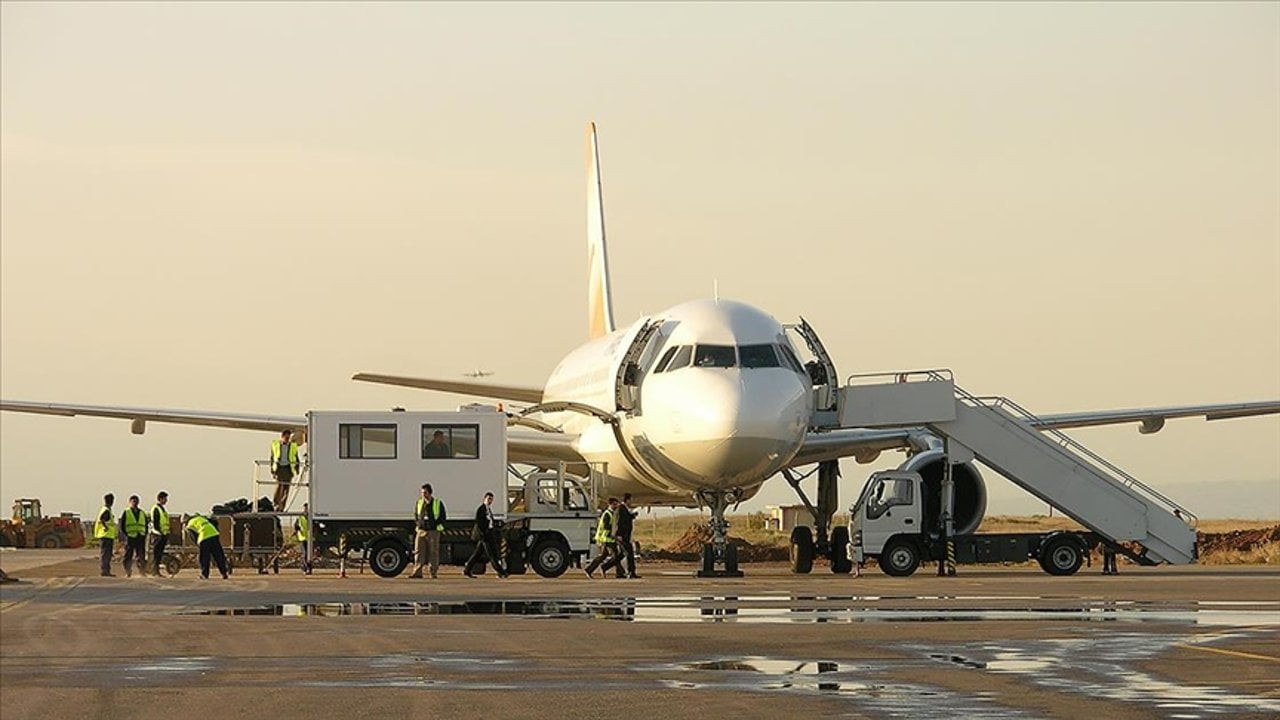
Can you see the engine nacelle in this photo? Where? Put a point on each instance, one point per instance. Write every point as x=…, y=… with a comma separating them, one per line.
x=970, y=491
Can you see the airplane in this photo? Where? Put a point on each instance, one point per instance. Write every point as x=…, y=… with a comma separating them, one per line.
x=694, y=406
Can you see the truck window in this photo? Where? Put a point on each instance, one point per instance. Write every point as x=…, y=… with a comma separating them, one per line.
x=888, y=493
x=366, y=442
x=450, y=442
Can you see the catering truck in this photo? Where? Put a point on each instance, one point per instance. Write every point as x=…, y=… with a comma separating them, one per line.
x=364, y=471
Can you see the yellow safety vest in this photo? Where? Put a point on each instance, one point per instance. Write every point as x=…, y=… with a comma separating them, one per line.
x=108, y=529
x=435, y=511
x=135, y=523
x=604, y=531
x=277, y=451
x=303, y=528
x=164, y=520
x=202, y=528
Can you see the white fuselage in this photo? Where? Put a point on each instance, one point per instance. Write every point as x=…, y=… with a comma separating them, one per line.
x=720, y=403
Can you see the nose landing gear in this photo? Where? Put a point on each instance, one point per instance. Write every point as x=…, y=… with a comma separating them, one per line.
x=719, y=557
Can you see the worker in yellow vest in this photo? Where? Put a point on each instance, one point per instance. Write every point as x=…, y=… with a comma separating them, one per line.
x=607, y=540
x=284, y=466
x=159, y=530
x=133, y=525
x=205, y=533
x=302, y=533
x=428, y=519
x=105, y=532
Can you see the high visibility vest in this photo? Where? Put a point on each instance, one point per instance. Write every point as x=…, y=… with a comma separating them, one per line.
x=304, y=527
x=108, y=529
x=202, y=528
x=435, y=511
x=278, y=451
x=164, y=520
x=135, y=523
x=604, y=528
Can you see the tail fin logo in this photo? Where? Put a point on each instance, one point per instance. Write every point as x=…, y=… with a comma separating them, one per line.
x=599, y=296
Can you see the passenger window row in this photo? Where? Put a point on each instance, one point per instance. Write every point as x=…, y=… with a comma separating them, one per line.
x=726, y=356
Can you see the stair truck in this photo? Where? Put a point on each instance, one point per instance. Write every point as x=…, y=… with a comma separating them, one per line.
x=364, y=471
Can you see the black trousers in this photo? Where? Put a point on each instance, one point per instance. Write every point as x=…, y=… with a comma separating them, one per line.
x=135, y=547
x=158, y=543
x=489, y=546
x=211, y=549
x=628, y=549
x=106, y=546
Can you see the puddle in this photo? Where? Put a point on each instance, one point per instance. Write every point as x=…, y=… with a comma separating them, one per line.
x=761, y=609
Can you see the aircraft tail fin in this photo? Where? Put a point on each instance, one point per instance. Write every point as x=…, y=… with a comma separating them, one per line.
x=599, y=296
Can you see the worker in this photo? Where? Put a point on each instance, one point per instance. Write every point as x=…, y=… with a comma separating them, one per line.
x=105, y=532
x=302, y=532
x=284, y=465
x=428, y=518
x=205, y=533
x=626, y=521
x=485, y=534
x=437, y=448
x=133, y=525
x=606, y=539
x=159, y=531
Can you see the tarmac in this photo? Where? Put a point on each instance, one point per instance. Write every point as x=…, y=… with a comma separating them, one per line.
x=1007, y=642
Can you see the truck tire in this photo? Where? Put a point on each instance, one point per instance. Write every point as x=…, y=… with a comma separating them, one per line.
x=1061, y=555
x=550, y=557
x=900, y=557
x=387, y=558
x=49, y=541
x=841, y=564
x=801, y=550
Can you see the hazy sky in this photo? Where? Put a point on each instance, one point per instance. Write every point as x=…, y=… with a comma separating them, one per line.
x=234, y=206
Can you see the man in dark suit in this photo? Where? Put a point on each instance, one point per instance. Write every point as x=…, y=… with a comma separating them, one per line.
x=626, y=521
x=486, y=537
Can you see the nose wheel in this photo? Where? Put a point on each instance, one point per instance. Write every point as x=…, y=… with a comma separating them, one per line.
x=719, y=557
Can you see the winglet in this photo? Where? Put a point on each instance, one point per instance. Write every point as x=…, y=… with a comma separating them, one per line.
x=599, y=297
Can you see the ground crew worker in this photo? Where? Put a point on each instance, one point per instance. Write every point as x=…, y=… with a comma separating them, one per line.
x=605, y=538
x=428, y=518
x=206, y=534
x=302, y=531
x=284, y=465
x=626, y=521
x=105, y=532
x=485, y=535
x=133, y=525
x=159, y=531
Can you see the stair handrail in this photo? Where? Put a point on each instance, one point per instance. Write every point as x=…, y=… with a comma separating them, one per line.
x=1035, y=423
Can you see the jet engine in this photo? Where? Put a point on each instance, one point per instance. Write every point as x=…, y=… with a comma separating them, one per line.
x=970, y=491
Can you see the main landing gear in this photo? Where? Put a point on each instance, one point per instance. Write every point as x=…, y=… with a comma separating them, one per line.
x=719, y=557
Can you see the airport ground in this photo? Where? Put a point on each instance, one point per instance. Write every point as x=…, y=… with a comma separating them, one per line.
x=1187, y=642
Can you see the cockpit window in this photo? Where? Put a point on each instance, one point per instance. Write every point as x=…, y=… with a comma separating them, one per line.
x=758, y=356
x=666, y=358
x=721, y=356
x=792, y=361
x=681, y=358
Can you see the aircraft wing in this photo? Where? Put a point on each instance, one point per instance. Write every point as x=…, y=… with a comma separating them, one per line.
x=1152, y=419
x=144, y=415
x=519, y=393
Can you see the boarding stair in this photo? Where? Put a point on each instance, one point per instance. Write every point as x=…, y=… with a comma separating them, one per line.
x=1043, y=461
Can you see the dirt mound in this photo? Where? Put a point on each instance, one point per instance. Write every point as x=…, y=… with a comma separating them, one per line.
x=688, y=547
x=1242, y=541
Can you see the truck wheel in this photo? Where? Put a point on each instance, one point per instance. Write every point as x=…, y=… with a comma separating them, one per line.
x=801, y=550
x=49, y=541
x=899, y=558
x=387, y=558
x=840, y=562
x=1061, y=556
x=550, y=557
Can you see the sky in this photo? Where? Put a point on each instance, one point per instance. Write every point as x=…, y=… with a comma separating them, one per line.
x=235, y=206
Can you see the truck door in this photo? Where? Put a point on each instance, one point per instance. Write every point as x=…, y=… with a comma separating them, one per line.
x=891, y=507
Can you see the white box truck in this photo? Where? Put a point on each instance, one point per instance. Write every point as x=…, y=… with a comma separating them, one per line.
x=365, y=470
